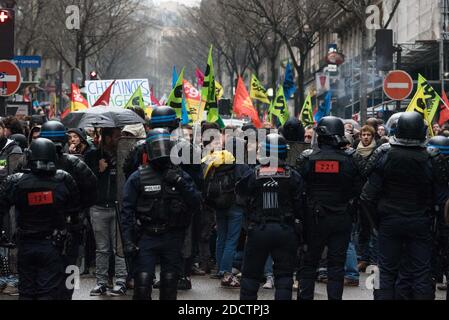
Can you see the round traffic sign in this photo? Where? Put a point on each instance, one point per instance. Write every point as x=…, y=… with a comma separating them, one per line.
x=398, y=85
x=10, y=78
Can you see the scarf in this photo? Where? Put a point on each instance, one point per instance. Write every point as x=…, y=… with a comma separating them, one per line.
x=366, y=151
x=216, y=159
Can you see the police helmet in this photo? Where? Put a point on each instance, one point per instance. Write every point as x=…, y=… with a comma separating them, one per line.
x=411, y=126
x=330, y=126
x=54, y=131
x=438, y=145
x=42, y=156
x=331, y=131
x=164, y=117
x=275, y=145
x=293, y=130
x=159, y=145
x=392, y=123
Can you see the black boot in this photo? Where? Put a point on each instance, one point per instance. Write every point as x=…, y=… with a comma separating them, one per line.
x=249, y=288
x=142, y=286
x=306, y=289
x=284, y=288
x=335, y=289
x=169, y=286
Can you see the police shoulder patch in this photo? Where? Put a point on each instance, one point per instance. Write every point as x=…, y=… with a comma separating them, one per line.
x=154, y=188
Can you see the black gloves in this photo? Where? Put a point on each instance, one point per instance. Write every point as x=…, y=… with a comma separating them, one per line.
x=173, y=177
x=130, y=250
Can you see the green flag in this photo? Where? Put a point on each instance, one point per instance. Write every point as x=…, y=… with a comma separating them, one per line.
x=175, y=97
x=208, y=93
x=279, y=107
x=306, y=115
x=136, y=100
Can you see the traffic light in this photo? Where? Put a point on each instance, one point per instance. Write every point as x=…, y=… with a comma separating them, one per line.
x=7, y=34
x=384, y=49
x=93, y=75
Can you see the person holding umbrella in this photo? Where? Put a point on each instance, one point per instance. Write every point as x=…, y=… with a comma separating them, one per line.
x=103, y=163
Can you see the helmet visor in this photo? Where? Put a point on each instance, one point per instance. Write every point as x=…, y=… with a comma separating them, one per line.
x=159, y=149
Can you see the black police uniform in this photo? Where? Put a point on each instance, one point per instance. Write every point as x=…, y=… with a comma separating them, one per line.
x=157, y=203
x=331, y=177
x=86, y=182
x=43, y=199
x=401, y=189
x=438, y=148
x=274, y=197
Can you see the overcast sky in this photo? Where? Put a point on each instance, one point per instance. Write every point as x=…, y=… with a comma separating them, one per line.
x=186, y=2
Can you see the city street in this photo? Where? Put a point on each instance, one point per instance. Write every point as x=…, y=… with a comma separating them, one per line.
x=205, y=288
x=263, y=135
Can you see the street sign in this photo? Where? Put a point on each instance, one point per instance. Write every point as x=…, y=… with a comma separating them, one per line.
x=398, y=85
x=32, y=62
x=10, y=78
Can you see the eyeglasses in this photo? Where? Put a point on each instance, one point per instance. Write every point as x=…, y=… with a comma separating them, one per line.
x=308, y=137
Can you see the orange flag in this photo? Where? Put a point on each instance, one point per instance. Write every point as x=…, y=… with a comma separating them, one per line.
x=105, y=97
x=77, y=101
x=243, y=105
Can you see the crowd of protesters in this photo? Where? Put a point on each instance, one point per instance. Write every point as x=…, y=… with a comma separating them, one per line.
x=219, y=240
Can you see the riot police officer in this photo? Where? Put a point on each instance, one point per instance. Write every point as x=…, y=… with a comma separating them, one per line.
x=438, y=148
x=294, y=132
x=87, y=184
x=400, y=190
x=161, y=117
x=157, y=202
x=330, y=175
x=43, y=198
x=274, y=198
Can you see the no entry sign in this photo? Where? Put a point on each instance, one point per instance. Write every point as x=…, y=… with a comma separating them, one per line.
x=398, y=85
x=10, y=78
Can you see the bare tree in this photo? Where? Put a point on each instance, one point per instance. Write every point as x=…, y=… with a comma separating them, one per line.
x=101, y=22
x=297, y=23
x=221, y=30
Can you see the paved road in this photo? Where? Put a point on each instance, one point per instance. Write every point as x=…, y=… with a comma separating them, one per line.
x=209, y=289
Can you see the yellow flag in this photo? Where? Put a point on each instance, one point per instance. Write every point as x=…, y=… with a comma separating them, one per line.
x=306, y=116
x=257, y=91
x=219, y=91
x=425, y=101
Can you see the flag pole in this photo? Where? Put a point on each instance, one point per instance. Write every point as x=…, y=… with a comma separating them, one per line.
x=199, y=119
x=442, y=100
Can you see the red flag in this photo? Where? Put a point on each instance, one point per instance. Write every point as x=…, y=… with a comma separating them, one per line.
x=444, y=110
x=154, y=101
x=243, y=105
x=105, y=97
x=65, y=113
x=200, y=77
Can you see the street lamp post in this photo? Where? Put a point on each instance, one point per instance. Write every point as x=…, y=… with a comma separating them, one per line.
x=72, y=75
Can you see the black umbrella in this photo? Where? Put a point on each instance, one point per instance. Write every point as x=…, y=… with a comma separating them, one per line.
x=102, y=117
